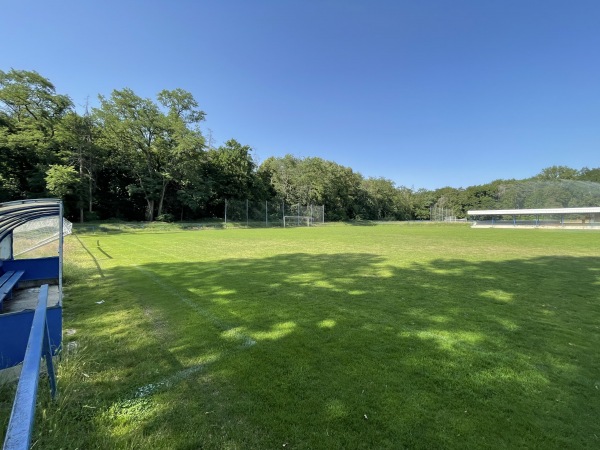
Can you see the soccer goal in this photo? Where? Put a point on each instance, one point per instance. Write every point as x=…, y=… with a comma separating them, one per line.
x=297, y=221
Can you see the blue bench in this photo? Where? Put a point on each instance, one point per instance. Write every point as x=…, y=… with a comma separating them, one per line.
x=8, y=281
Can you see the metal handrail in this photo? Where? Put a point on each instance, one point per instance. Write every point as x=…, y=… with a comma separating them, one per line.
x=20, y=426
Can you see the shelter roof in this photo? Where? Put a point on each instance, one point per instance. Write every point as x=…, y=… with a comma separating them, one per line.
x=541, y=211
x=16, y=213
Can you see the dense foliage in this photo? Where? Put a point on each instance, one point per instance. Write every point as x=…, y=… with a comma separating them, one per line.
x=137, y=158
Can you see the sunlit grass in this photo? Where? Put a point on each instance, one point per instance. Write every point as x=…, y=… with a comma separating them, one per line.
x=387, y=336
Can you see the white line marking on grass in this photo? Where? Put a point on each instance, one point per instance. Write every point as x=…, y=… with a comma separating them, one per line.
x=246, y=340
x=141, y=404
x=150, y=249
x=151, y=388
x=142, y=394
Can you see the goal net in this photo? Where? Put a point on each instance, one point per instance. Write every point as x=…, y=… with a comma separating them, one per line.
x=297, y=221
x=39, y=235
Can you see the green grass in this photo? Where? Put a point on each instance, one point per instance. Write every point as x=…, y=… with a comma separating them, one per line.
x=389, y=336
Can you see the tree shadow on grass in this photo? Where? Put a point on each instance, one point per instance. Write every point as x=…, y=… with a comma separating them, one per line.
x=346, y=351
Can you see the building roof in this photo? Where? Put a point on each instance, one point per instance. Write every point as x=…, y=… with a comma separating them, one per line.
x=516, y=212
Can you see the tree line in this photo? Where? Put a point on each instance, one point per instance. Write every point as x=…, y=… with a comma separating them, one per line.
x=137, y=158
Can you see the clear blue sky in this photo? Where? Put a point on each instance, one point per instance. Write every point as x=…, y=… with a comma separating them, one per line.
x=427, y=93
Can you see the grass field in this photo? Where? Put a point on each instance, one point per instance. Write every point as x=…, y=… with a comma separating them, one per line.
x=335, y=337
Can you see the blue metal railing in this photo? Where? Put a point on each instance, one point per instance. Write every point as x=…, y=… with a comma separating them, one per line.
x=20, y=426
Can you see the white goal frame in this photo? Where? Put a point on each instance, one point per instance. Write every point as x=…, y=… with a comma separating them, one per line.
x=298, y=221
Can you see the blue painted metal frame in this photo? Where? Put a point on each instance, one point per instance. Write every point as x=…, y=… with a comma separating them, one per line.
x=36, y=268
x=14, y=334
x=20, y=426
x=15, y=326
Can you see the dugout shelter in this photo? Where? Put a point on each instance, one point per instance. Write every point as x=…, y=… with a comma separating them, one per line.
x=582, y=218
x=31, y=255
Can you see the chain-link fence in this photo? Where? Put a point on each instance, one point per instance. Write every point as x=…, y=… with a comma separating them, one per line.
x=441, y=214
x=269, y=214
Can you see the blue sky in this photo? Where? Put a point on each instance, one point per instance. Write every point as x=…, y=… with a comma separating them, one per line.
x=427, y=93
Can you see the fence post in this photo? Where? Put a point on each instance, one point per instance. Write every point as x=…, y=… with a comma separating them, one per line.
x=266, y=213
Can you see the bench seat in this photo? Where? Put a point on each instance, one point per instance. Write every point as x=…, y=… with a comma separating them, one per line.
x=8, y=281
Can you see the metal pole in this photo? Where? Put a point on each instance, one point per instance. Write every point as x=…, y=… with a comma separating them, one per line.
x=225, y=211
x=60, y=250
x=266, y=213
x=246, y=212
x=47, y=353
x=20, y=425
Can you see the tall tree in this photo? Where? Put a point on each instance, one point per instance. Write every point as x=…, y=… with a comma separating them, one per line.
x=156, y=141
x=380, y=198
x=423, y=201
x=282, y=174
x=587, y=174
x=30, y=111
x=78, y=135
x=60, y=180
x=315, y=181
x=553, y=173
x=233, y=171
